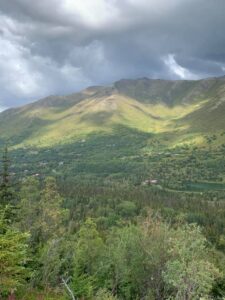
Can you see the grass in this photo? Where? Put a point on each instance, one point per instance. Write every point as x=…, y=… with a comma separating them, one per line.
x=43, y=127
x=180, y=110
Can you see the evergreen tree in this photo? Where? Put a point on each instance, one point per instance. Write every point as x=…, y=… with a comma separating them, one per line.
x=13, y=256
x=29, y=208
x=6, y=194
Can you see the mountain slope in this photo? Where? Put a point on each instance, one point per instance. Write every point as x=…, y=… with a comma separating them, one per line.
x=179, y=109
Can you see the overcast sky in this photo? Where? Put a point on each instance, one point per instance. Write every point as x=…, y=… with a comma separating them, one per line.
x=61, y=46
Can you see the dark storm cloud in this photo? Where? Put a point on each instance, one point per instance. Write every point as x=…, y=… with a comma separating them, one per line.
x=56, y=47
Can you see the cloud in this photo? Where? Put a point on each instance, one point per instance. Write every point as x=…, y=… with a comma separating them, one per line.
x=2, y=108
x=178, y=70
x=59, y=47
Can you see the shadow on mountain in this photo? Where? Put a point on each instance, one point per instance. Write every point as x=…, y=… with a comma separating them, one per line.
x=98, y=154
x=27, y=128
x=145, y=113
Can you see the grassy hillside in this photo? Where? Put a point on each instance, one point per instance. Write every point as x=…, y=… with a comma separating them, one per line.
x=181, y=110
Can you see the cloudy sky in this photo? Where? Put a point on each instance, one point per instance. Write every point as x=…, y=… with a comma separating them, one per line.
x=61, y=46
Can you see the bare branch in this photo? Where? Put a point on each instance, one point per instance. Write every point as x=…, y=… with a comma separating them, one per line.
x=65, y=283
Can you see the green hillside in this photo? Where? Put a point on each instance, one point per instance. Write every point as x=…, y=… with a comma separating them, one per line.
x=173, y=131
x=185, y=108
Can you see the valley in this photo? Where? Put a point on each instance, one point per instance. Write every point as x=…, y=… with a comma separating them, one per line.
x=172, y=131
x=129, y=166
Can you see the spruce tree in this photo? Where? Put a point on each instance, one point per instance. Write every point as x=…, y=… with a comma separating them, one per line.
x=13, y=256
x=6, y=194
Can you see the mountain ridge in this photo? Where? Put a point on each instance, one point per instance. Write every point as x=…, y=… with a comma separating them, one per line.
x=148, y=105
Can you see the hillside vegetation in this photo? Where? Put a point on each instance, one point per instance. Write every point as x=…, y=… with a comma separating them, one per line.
x=135, y=130
x=182, y=110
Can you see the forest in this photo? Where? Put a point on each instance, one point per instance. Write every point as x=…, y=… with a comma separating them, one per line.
x=63, y=238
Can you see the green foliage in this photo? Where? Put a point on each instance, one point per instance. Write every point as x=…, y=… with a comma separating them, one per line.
x=188, y=271
x=56, y=261
x=167, y=262
x=103, y=294
x=29, y=208
x=6, y=192
x=125, y=261
x=87, y=259
x=127, y=209
x=13, y=257
x=129, y=258
x=135, y=258
x=41, y=212
x=131, y=157
x=51, y=213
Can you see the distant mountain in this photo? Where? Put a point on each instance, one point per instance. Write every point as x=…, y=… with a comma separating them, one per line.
x=181, y=111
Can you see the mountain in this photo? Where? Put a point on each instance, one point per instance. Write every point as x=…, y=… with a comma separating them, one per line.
x=183, y=110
